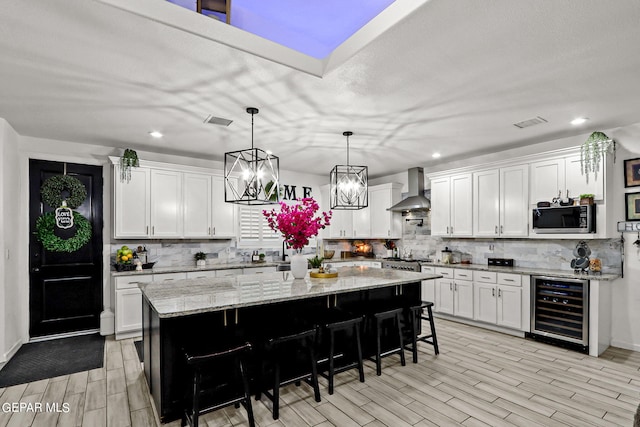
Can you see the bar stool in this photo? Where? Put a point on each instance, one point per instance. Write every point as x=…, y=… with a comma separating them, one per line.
x=283, y=355
x=379, y=317
x=416, y=315
x=209, y=368
x=335, y=321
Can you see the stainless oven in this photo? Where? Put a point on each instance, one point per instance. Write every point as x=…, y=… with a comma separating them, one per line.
x=560, y=310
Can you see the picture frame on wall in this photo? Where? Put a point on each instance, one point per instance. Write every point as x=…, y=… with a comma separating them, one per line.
x=632, y=206
x=632, y=173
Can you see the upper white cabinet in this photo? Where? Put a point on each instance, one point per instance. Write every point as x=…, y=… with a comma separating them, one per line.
x=197, y=205
x=341, y=224
x=451, y=206
x=166, y=203
x=384, y=223
x=132, y=203
x=500, y=202
x=562, y=176
x=361, y=221
x=159, y=202
x=223, y=215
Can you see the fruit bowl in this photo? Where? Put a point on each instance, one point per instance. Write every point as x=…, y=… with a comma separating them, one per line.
x=329, y=254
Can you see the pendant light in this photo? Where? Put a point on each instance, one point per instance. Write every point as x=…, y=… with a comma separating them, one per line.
x=251, y=175
x=349, y=184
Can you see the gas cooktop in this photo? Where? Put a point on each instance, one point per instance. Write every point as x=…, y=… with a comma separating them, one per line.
x=407, y=259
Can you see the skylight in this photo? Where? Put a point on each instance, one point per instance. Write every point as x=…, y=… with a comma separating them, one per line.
x=313, y=27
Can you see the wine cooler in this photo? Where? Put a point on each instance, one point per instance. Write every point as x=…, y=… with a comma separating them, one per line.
x=560, y=311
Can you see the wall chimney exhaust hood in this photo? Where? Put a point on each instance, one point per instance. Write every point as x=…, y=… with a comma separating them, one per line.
x=415, y=201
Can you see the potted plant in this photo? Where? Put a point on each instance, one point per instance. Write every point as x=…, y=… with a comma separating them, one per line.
x=297, y=223
x=261, y=257
x=316, y=262
x=390, y=245
x=201, y=259
x=586, y=199
x=128, y=160
x=593, y=150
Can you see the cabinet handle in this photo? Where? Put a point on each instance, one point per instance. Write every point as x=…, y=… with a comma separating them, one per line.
x=455, y=287
x=485, y=277
x=508, y=280
x=451, y=286
x=501, y=229
x=493, y=292
x=388, y=233
x=499, y=293
x=354, y=233
x=153, y=230
x=447, y=229
x=147, y=233
x=451, y=229
x=209, y=232
x=214, y=231
x=496, y=229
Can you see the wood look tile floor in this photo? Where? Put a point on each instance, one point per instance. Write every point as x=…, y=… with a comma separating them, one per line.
x=480, y=378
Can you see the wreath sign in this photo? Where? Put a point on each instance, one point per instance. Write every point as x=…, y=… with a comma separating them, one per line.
x=63, y=217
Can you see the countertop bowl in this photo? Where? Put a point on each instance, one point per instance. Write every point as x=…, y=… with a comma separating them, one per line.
x=329, y=254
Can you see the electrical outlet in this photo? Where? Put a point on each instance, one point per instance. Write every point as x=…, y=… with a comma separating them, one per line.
x=491, y=248
x=228, y=250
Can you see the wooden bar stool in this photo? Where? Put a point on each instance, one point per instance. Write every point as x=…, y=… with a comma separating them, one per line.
x=290, y=358
x=212, y=385
x=416, y=315
x=336, y=321
x=379, y=318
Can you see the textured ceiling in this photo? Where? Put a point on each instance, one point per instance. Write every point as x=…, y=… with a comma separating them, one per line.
x=452, y=77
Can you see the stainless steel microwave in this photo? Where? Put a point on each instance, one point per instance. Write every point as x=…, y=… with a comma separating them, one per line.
x=564, y=219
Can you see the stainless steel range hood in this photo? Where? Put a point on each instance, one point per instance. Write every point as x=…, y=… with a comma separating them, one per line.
x=416, y=200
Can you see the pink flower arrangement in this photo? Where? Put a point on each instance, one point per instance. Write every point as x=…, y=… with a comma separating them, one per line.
x=297, y=222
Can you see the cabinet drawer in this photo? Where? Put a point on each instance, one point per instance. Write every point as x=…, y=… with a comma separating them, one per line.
x=169, y=276
x=462, y=274
x=259, y=270
x=229, y=272
x=509, y=279
x=130, y=282
x=485, y=276
x=445, y=272
x=431, y=270
x=201, y=274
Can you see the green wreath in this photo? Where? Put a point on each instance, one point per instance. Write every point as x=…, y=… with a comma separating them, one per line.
x=45, y=226
x=53, y=187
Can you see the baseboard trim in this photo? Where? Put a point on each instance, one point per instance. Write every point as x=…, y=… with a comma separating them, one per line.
x=66, y=335
x=625, y=345
x=9, y=354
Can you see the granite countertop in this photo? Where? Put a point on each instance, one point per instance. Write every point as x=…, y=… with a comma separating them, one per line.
x=192, y=296
x=186, y=269
x=564, y=274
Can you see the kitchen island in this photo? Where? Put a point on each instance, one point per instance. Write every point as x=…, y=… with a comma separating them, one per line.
x=203, y=309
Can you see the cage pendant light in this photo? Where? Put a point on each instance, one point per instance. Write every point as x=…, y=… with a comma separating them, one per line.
x=349, y=184
x=251, y=175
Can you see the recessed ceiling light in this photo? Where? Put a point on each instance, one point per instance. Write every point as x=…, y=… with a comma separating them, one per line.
x=579, y=120
x=436, y=155
x=155, y=134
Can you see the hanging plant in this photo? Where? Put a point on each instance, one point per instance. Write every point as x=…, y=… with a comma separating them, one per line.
x=45, y=227
x=128, y=160
x=592, y=151
x=53, y=187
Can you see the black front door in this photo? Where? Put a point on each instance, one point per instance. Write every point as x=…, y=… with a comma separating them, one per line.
x=65, y=288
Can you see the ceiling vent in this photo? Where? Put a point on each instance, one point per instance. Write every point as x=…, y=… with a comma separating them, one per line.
x=217, y=120
x=531, y=122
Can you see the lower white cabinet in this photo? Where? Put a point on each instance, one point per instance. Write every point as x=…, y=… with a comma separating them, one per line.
x=498, y=299
x=444, y=296
x=128, y=305
x=453, y=295
x=463, y=298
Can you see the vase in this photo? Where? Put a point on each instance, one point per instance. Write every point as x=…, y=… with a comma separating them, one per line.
x=298, y=265
x=201, y=263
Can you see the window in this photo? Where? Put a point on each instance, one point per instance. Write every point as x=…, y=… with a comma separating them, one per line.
x=255, y=231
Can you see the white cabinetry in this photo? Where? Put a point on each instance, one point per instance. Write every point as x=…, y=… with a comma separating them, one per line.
x=384, y=223
x=166, y=203
x=453, y=295
x=498, y=298
x=451, y=206
x=132, y=204
x=128, y=305
x=500, y=202
x=197, y=205
x=223, y=215
x=361, y=221
x=562, y=176
x=341, y=224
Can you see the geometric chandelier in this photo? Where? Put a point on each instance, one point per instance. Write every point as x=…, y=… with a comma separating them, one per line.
x=251, y=176
x=348, y=185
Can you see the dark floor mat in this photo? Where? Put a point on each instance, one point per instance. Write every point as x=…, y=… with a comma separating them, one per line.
x=138, y=345
x=48, y=359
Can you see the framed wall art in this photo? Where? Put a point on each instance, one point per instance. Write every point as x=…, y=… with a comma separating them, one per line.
x=632, y=206
x=632, y=173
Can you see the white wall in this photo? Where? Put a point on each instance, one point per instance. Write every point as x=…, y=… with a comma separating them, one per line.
x=11, y=185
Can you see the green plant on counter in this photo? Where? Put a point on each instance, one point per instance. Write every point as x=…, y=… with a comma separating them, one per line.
x=316, y=262
x=587, y=196
x=200, y=256
x=261, y=256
